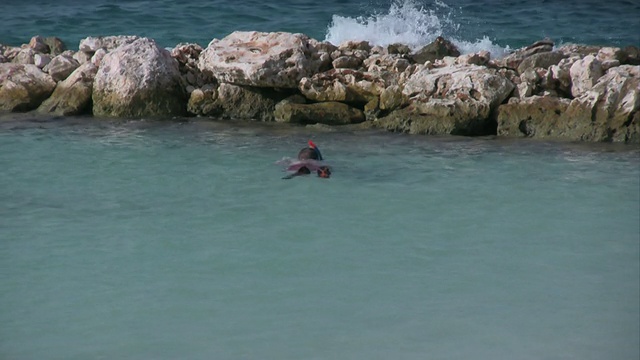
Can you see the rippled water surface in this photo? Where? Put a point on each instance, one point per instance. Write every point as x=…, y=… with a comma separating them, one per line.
x=501, y=23
x=180, y=240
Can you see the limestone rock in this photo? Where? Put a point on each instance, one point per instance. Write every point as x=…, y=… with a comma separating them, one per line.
x=579, y=50
x=633, y=129
x=450, y=100
x=386, y=63
x=543, y=45
x=203, y=101
x=560, y=76
x=631, y=55
x=278, y=60
x=348, y=47
x=238, y=102
x=23, y=87
x=611, y=53
x=537, y=116
x=25, y=56
x=329, y=113
x=584, y=75
x=82, y=57
x=10, y=52
x=139, y=79
x=398, y=49
x=445, y=62
x=438, y=49
x=530, y=84
x=350, y=54
x=104, y=44
x=61, y=66
x=607, y=112
x=479, y=58
x=541, y=60
x=392, y=98
x=41, y=60
x=390, y=69
x=97, y=57
x=347, y=62
x=56, y=46
x=345, y=85
x=372, y=109
x=477, y=83
x=187, y=56
x=608, y=64
x=611, y=106
x=524, y=89
x=513, y=60
x=73, y=95
x=38, y=44
x=91, y=44
x=294, y=99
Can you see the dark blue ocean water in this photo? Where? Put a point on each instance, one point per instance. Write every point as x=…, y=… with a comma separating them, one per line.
x=487, y=24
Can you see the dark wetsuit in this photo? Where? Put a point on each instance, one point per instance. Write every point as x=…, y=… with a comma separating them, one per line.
x=309, y=153
x=304, y=154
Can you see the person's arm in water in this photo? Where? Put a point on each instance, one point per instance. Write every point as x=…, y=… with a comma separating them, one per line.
x=302, y=171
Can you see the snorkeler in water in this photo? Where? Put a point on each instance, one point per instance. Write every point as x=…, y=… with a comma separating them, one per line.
x=309, y=159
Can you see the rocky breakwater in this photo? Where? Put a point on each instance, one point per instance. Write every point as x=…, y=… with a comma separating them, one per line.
x=118, y=76
x=573, y=92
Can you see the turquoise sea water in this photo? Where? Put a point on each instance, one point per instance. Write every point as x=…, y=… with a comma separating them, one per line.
x=472, y=24
x=147, y=240
x=180, y=240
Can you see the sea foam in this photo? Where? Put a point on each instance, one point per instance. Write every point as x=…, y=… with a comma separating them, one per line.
x=409, y=22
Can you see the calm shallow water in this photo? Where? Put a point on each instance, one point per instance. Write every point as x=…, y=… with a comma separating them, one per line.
x=180, y=240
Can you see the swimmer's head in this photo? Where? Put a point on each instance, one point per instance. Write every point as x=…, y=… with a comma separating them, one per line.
x=310, y=153
x=307, y=153
x=324, y=172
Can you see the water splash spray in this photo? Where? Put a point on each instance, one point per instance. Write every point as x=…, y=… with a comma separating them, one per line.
x=408, y=22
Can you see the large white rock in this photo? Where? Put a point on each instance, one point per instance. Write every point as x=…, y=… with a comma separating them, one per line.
x=41, y=60
x=25, y=56
x=23, y=87
x=607, y=112
x=450, y=100
x=611, y=106
x=37, y=43
x=471, y=83
x=276, y=59
x=584, y=74
x=138, y=79
x=72, y=96
x=61, y=66
x=100, y=45
x=96, y=59
x=560, y=74
x=610, y=53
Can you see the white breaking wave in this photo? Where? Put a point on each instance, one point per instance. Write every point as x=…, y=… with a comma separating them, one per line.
x=467, y=47
x=410, y=23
